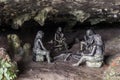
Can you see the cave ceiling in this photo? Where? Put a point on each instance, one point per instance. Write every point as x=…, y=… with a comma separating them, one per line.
x=16, y=12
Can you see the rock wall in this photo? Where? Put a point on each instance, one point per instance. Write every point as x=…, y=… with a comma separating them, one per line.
x=16, y=12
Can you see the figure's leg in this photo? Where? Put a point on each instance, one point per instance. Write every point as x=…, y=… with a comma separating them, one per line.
x=48, y=57
x=82, y=45
x=59, y=56
x=65, y=45
x=67, y=57
x=82, y=59
x=39, y=55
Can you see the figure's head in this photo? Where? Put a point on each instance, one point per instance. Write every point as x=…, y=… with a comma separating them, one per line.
x=89, y=32
x=40, y=34
x=59, y=29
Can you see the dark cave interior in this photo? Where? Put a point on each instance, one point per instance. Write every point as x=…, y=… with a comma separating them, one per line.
x=29, y=29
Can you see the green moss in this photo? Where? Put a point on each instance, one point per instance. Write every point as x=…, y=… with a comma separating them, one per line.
x=80, y=15
x=96, y=20
x=19, y=20
x=42, y=15
x=14, y=43
x=4, y=1
x=8, y=69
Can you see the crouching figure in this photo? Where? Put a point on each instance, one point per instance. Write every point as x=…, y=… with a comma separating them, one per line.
x=93, y=55
x=60, y=40
x=39, y=51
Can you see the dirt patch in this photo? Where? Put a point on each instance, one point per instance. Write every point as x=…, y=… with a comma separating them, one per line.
x=60, y=71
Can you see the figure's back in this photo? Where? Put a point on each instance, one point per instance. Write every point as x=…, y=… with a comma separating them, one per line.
x=99, y=44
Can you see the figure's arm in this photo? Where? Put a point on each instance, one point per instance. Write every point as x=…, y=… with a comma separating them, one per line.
x=81, y=45
x=42, y=45
x=63, y=37
x=93, y=51
x=55, y=38
x=85, y=38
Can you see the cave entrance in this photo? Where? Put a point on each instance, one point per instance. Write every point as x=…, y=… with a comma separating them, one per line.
x=109, y=32
x=28, y=30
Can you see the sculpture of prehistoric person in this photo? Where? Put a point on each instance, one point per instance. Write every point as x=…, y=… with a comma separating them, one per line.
x=59, y=39
x=93, y=55
x=88, y=39
x=39, y=50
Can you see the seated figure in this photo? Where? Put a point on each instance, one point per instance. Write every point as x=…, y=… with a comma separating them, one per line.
x=39, y=51
x=59, y=40
x=93, y=54
x=88, y=39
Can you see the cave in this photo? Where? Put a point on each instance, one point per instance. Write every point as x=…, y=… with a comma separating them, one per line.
x=26, y=17
x=60, y=70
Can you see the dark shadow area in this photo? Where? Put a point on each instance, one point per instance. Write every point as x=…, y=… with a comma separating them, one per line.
x=107, y=59
x=21, y=67
x=108, y=31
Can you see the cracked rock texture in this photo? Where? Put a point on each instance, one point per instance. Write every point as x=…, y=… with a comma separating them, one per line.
x=16, y=12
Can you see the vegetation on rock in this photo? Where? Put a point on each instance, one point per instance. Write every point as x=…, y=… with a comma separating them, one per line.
x=8, y=69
